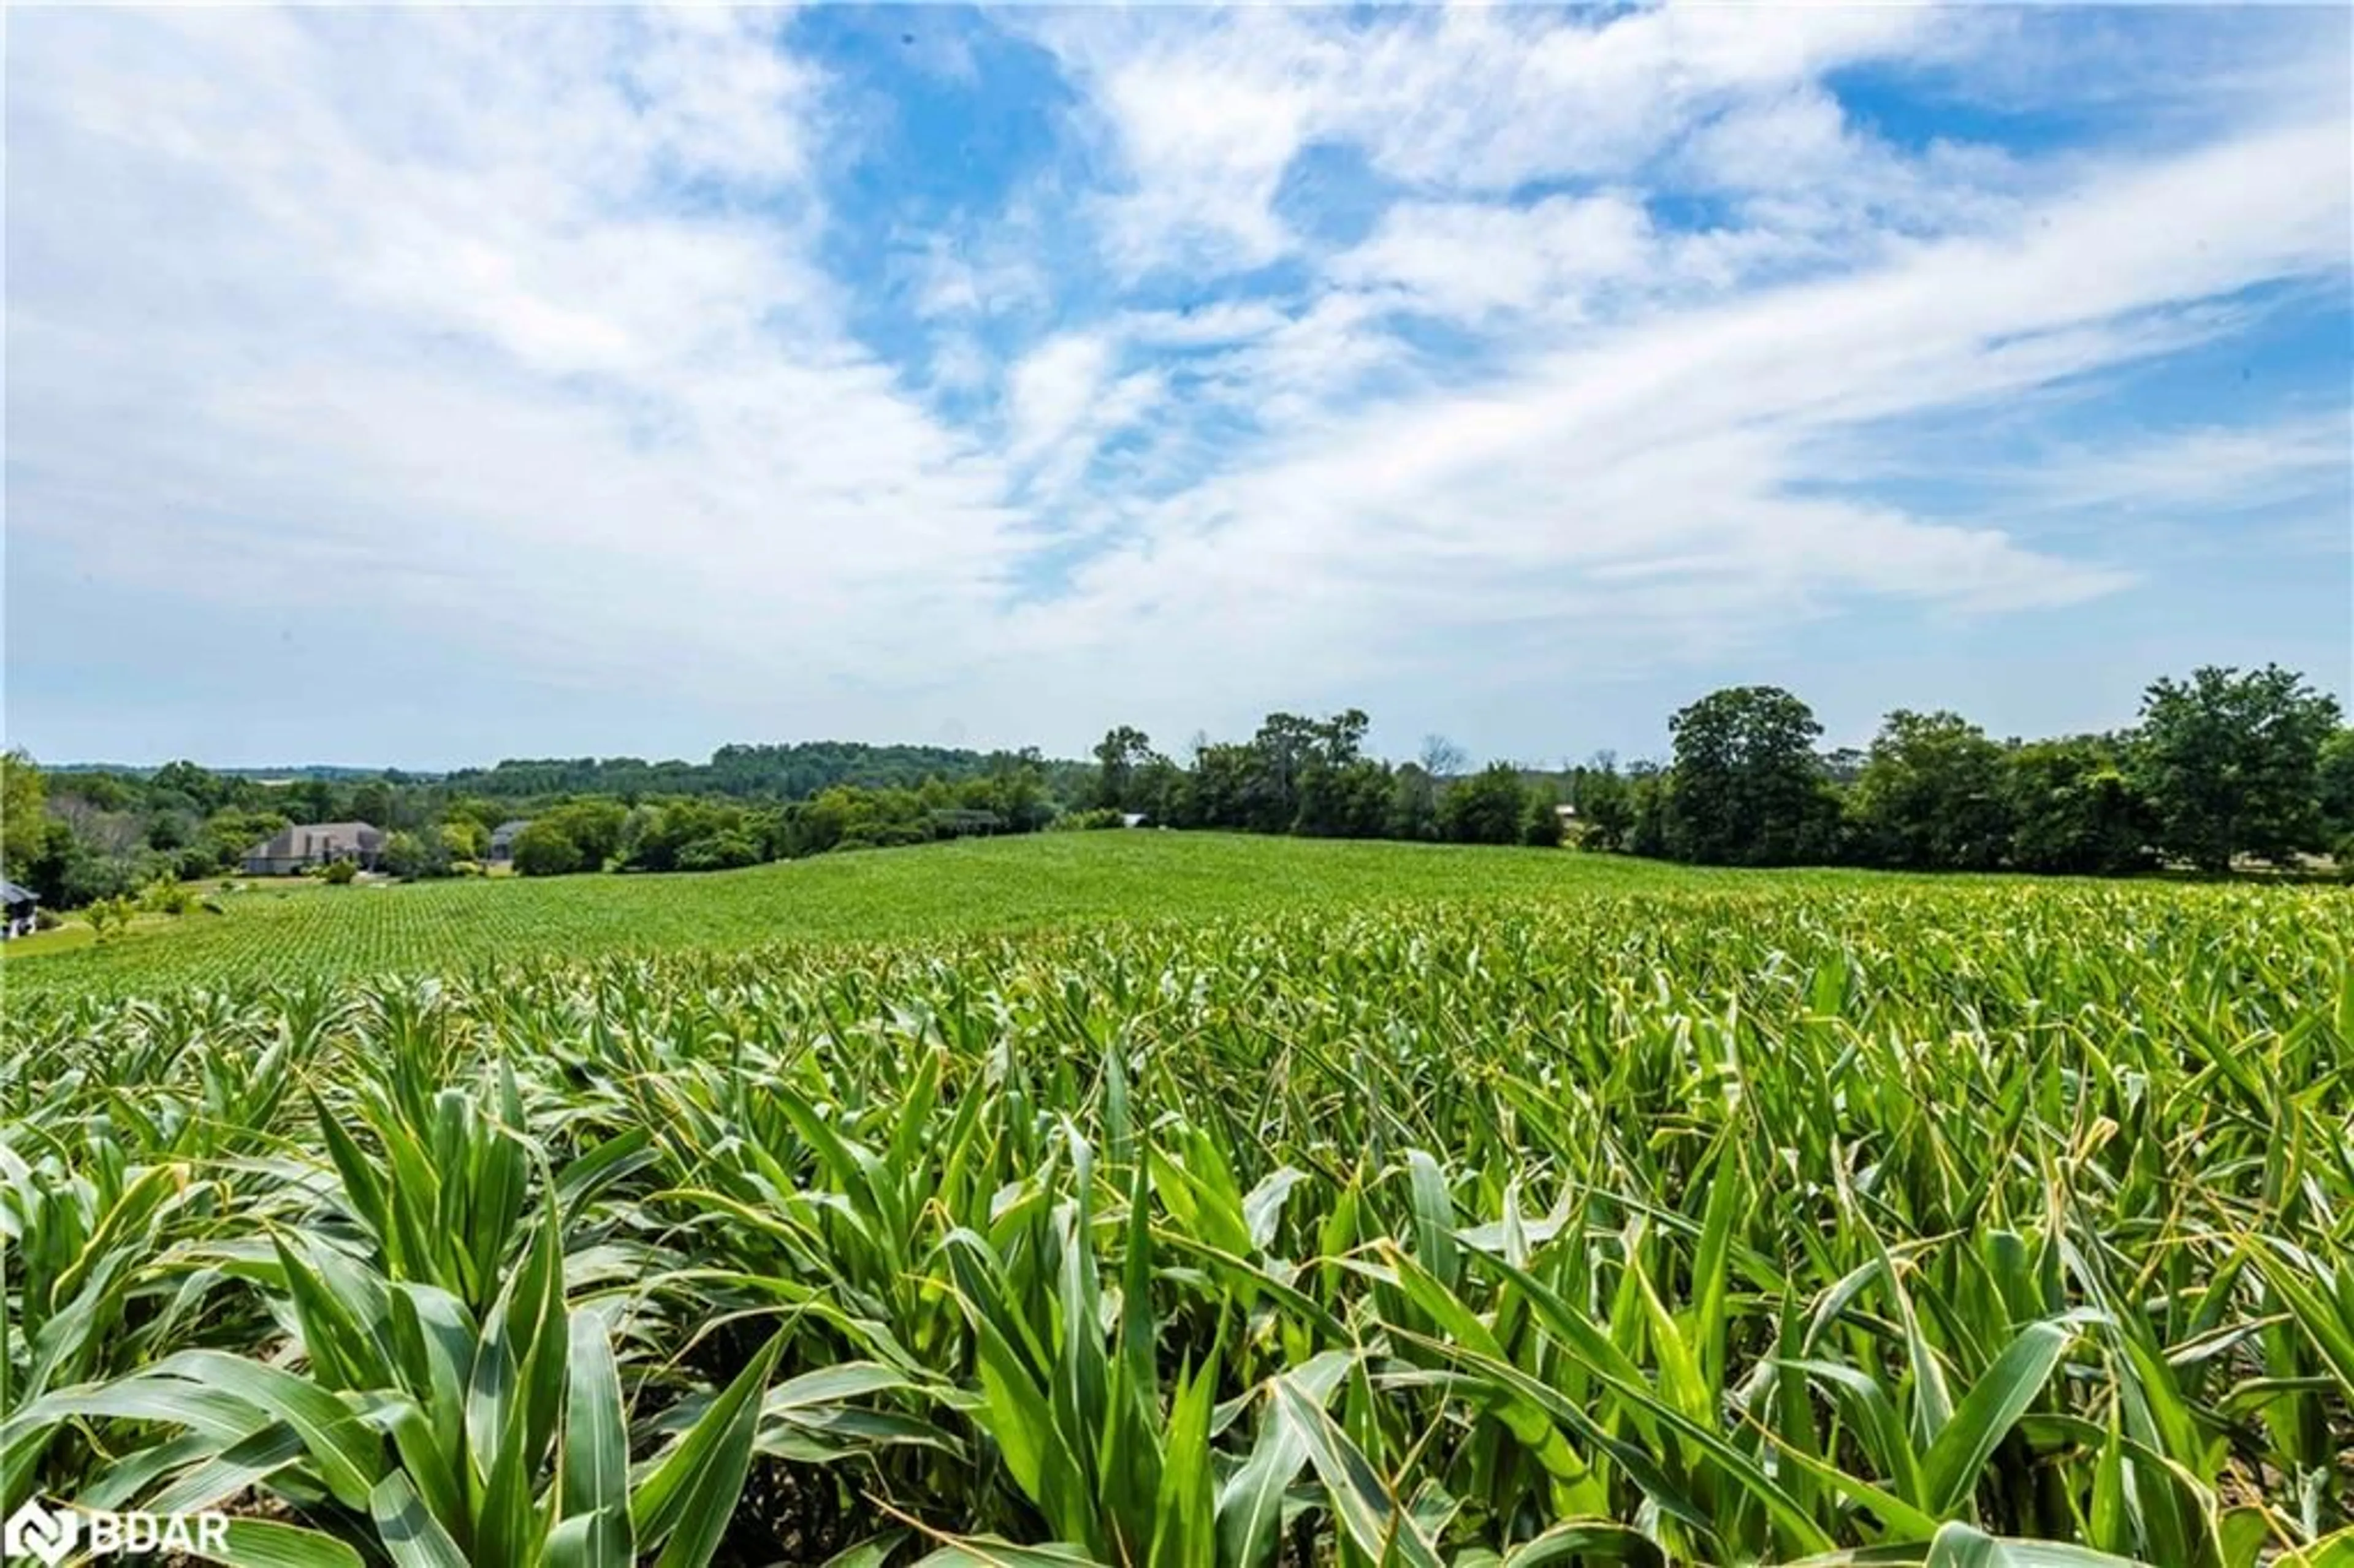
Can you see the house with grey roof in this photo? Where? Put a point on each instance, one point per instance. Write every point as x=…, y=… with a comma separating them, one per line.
x=307, y=844
x=22, y=908
x=503, y=838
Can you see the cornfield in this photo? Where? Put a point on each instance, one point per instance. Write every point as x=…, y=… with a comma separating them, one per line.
x=1759, y=1222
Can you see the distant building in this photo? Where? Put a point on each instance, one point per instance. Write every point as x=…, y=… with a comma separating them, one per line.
x=22, y=908
x=1566, y=812
x=503, y=838
x=316, y=844
x=1133, y=818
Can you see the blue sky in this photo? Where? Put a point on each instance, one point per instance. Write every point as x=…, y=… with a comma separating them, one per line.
x=430, y=387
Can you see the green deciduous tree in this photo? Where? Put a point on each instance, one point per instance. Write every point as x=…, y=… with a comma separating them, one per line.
x=594, y=826
x=464, y=838
x=1747, y=789
x=23, y=821
x=2228, y=763
x=1606, y=806
x=416, y=857
x=1348, y=801
x=545, y=849
x=1931, y=796
x=2073, y=810
x=1489, y=807
x=2334, y=781
x=112, y=916
x=1541, y=818
x=1118, y=756
x=1414, y=804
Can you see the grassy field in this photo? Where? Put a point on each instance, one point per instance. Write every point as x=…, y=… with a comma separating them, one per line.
x=290, y=928
x=1369, y=1205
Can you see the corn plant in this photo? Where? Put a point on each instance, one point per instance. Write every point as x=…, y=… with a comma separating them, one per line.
x=1817, y=1221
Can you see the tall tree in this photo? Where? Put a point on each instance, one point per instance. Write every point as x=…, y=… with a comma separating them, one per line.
x=2229, y=762
x=1414, y=804
x=1490, y=807
x=1285, y=745
x=23, y=822
x=1746, y=789
x=1605, y=805
x=2334, y=782
x=206, y=791
x=1441, y=758
x=1219, y=788
x=1118, y=755
x=1930, y=795
x=2073, y=810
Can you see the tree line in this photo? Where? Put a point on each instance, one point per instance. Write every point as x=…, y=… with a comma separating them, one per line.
x=2223, y=767
x=80, y=837
x=2219, y=768
x=799, y=771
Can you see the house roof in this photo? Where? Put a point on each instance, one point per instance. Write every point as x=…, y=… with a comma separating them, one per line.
x=510, y=829
x=10, y=893
x=316, y=838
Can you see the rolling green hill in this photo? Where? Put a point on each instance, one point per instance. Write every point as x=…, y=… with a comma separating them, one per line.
x=274, y=931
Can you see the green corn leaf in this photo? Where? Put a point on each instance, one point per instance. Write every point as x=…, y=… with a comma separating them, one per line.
x=263, y=1544
x=596, y=1444
x=1986, y=1415
x=349, y=1457
x=599, y=1540
x=1585, y=1541
x=1250, y=1504
x=1185, y=1507
x=988, y=1551
x=871, y=1553
x=1362, y=1501
x=412, y=1536
x=685, y=1500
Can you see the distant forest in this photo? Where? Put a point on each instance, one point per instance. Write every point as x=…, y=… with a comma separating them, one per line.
x=793, y=772
x=2221, y=770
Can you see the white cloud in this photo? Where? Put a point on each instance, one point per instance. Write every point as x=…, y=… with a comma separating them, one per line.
x=1052, y=389
x=1664, y=482
x=1207, y=113
x=1476, y=260
x=527, y=324
x=2194, y=472
x=488, y=374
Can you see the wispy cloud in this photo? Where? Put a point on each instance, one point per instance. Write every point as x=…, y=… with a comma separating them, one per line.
x=531, y=335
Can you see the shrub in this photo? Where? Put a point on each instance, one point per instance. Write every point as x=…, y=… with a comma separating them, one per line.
x=109, y=917
x=164, y=896
x=415, y=856
x=89, y=877
x=545, y=849
x=339, y=873
x=1086, y=822
x=1489, y=808
x=720, y=852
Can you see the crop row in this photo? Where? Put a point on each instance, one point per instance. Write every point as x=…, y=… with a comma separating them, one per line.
x=1949, y=1224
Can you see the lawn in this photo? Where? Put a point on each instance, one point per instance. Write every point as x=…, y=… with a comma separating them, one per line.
x=290, y=928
